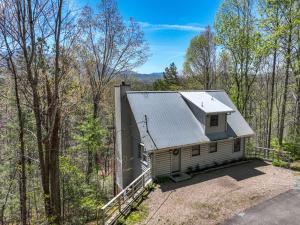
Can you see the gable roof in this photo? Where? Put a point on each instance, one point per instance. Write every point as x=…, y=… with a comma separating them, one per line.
x=170, y=122
x=206, y=102
x=165, y=120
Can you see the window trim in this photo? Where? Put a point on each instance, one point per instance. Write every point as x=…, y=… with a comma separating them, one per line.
x=215, y=145
x=214, y=122
x=196, y=147
x=142, y=155
x=239, y=143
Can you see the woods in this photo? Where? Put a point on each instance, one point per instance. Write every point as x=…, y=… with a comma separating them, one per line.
x=58, y=67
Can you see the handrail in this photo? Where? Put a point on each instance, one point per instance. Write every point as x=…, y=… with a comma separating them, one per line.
x=124, y=190
x=120, y=203
x=269, y=154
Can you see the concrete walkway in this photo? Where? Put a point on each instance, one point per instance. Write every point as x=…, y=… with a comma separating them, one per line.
x=283, y=209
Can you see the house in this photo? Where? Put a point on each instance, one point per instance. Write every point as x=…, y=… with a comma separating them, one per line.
x=170, y=131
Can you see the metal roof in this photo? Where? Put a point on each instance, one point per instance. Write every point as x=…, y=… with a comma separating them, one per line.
x=206, y=102
x=236, y=122
x=170, y=121
x=165, y=120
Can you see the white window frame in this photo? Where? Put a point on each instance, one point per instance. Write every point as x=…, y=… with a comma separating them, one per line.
x=196, y=148
x=143, y=156
x=211, y=120
x=240, y=143
x=210, y=145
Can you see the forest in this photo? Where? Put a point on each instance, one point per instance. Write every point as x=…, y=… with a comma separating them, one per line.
x=58, y=67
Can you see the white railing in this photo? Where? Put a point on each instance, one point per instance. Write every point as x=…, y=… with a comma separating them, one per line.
x=121, y=203
x=269, y=154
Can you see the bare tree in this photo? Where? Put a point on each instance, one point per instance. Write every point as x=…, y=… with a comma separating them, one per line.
x=8, y=55
x=111, y=47
x=200, y=59
x=34, y=27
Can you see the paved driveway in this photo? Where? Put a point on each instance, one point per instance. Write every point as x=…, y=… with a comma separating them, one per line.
x=214, y=197
x=283, y=209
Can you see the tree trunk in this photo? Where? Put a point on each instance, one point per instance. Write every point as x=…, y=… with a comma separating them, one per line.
x=90, y=153
x=22, y=161
x=54, y=171
x=285, y=92
x=298, y=109
x=272, y=96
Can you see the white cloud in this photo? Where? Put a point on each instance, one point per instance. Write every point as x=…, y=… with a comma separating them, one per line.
x=184, y=27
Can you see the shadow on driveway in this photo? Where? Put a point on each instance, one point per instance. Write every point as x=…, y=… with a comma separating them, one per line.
x=237, y=172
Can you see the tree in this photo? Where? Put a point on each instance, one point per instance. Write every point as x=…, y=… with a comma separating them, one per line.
x=171, y=75
x=41, y=39
x=236, y=32
x=270, y=19
x=288, y=10
x=200, y=58
x=110, y=48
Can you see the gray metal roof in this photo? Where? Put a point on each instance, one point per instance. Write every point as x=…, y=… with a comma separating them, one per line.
x=237, y=124
x=165, y=120
x=206, y=102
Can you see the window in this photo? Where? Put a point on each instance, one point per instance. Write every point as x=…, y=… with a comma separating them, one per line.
x=142, y=153
x=214, y=120
x=196, y=150
x=237, y=145
x=140, y=150
x=213, y=147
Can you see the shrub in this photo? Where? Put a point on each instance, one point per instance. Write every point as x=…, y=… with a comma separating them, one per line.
x=295, y=166
x=161, y=179
x=197, y=168
x=280, y=163
x=121, y=221
x=151, y=187
x=226, y=162
x=190, y=169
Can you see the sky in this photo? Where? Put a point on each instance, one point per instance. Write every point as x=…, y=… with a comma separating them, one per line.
x=168, y=25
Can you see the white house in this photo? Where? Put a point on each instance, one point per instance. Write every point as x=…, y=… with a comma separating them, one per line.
x=170, y=131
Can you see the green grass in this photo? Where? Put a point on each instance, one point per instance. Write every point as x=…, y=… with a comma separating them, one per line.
x=280, y=163
x=137, y=214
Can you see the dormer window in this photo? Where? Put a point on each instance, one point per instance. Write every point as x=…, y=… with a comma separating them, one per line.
x=214, y=120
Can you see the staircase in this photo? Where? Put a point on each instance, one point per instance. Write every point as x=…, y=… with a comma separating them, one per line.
x=122, y=202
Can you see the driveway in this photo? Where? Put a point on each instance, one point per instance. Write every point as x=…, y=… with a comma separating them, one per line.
x=214, y=197
x=282, y=209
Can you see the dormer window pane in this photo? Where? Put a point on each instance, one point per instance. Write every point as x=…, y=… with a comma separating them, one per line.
x=214, y=120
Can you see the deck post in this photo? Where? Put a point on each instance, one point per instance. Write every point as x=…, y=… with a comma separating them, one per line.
x=102, y=217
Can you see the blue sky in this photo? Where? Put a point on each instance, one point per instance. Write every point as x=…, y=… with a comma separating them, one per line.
x=169, y=25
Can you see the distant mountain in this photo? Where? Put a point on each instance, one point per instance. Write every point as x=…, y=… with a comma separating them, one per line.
x=150, y=77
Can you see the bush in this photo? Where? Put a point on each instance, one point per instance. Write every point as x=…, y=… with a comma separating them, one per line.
x=190, y=169
x=280, y=163
x=197, y=168
x=295, y=166
x=151, y=187
x=161, y=179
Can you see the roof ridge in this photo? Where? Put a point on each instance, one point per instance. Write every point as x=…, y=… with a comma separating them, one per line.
x=133, y=92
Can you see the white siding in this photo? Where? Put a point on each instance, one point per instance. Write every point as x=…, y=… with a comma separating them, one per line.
x=225, y=152
x=221, y=126
x=161, y=163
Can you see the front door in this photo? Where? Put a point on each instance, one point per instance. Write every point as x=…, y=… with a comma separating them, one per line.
x=176, y=160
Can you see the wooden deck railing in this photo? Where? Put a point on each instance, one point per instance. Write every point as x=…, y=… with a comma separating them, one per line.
x=268, y=154
x=122, y=202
